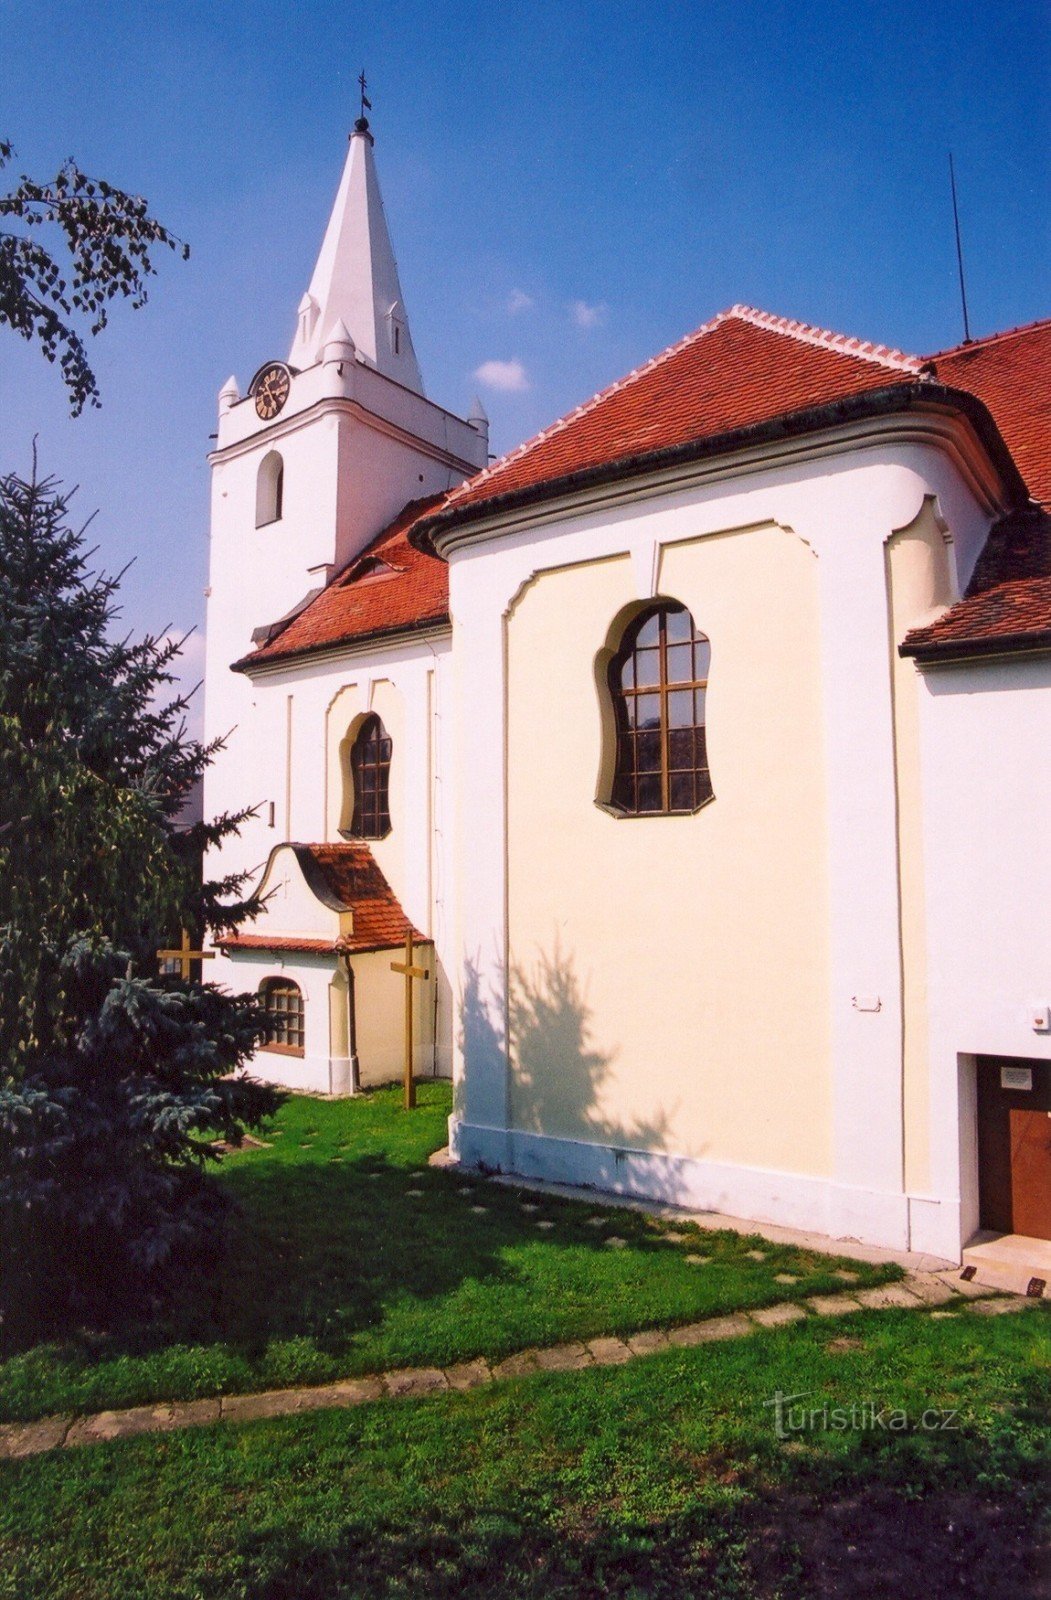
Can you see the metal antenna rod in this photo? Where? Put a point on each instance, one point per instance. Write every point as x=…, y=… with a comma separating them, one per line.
x=959, y=252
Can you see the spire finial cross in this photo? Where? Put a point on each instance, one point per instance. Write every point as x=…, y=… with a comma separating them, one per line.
x=366, y=103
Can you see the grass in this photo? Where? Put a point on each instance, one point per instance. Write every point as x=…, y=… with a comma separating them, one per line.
x=348, y=1254
x=660, y=1479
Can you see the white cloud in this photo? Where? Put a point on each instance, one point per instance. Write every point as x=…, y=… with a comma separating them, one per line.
x=518, y=301
x=588, y=316
x=509, y=376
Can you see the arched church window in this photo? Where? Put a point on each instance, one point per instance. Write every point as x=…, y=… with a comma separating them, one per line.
x=658, y=680
x=370, y=772
x=269, y=489
x=283, y=1004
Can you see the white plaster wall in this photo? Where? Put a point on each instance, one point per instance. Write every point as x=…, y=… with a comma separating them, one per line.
x=407, y=683
x=986, y=743
x=844, y=506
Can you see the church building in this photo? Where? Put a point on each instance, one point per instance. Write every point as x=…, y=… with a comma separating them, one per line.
x=701, y=742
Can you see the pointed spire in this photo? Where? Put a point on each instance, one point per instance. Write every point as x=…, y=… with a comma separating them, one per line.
x=228, y=394
x=355, y=280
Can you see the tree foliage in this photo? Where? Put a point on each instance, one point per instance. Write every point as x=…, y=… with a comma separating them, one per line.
x=107, y=240
x=113, y=1082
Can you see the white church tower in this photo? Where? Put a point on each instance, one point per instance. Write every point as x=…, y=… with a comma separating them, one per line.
x=319, y=455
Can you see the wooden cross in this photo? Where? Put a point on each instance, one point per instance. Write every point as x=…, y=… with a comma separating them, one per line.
x=410, y=972
x=185, y=956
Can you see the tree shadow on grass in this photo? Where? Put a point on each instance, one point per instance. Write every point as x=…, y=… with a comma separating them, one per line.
x=867, y=1541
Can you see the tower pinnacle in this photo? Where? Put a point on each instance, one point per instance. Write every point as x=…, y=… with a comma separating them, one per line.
x=356, y=280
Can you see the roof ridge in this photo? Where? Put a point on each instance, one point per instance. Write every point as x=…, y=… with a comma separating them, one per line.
x=588, y=405
x=884, y=355
x=990, y=338
x=844, y=344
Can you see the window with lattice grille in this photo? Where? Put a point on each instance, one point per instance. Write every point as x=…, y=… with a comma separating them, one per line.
x=283, y=1003
x=370, y=771
x=658, y=681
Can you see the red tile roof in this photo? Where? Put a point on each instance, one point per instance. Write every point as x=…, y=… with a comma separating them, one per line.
x=389, y=587
x=345, y=877
x=1007, y=606
x=1011, y=373
x=743, y=368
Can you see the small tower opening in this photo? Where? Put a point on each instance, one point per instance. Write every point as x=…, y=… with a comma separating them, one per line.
x=270, y=489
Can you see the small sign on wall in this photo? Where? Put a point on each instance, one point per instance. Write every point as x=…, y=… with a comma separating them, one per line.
x=1016, y=1077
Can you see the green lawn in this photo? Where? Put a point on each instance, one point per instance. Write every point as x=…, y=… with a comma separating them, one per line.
x=660, y=1479
x=349, y=1254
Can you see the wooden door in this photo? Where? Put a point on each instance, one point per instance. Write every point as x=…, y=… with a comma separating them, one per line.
x=1014, y=1146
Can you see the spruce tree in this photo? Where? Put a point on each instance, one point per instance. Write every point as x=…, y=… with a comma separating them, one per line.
x=114, y=1082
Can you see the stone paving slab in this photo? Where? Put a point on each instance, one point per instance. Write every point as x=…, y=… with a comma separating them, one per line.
x=715, y=1328
x=777, y=1316
x=930, y=1288
x=516, y=1366
x=833, y=1305
x=19, y=1439
x=918, y=1292
x=967, y=1286
x=644, y=1344
x=609, y=1352
x=887, y=1295
x=563, y=1358
x=413, y=1381
x=468, y=1374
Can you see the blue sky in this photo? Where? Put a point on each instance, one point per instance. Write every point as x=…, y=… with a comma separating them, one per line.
x=569, y=187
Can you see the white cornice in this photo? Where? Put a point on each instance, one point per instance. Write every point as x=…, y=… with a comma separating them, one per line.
x=935, y=426
x=337, y=405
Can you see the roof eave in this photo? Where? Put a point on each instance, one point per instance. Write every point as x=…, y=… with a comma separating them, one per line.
x=935, y=652
x=281, y=658
x=899, y=397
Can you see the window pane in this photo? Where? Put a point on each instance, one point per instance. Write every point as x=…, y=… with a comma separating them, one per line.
x=649, y=752
x=680, y=663
x=649, y=633
x=702, y=659
x=680, y=708
x=680, y=791
x=699, y=697
x=679, y=626
x=680, y=750
x=649, y=794
x=648, y=668
x=648, y=710
x=627, y=674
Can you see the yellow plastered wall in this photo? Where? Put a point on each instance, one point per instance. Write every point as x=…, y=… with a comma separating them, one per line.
x=379, y=1013
x=919, y=586
x=346, y=713
x=669, y=975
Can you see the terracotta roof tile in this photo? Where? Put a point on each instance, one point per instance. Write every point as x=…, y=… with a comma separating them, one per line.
x=742, y=368
x=1011, y=373
x=346, y=877
x=389, y=587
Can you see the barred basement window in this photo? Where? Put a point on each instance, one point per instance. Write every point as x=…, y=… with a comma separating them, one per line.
x=658, y=680
x=283, y=1004
x=370, y=770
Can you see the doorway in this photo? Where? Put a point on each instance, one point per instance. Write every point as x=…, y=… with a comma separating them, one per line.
x=1014, y=1146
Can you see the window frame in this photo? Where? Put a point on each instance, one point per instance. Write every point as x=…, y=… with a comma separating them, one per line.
x=627, y=776
x=372, y=821
x=276, y=985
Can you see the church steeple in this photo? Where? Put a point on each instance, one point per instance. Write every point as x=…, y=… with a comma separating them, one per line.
x=355, y=281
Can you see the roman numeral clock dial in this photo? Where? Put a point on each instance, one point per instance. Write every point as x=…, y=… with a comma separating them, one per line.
x=271, y=389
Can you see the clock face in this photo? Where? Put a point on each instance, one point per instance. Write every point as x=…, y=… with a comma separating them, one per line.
x=271, y=390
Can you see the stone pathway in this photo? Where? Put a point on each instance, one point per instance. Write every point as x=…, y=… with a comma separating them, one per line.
x=918, y=1291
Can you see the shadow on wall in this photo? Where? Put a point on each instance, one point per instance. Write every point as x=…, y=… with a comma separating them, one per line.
x=562, y=1082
